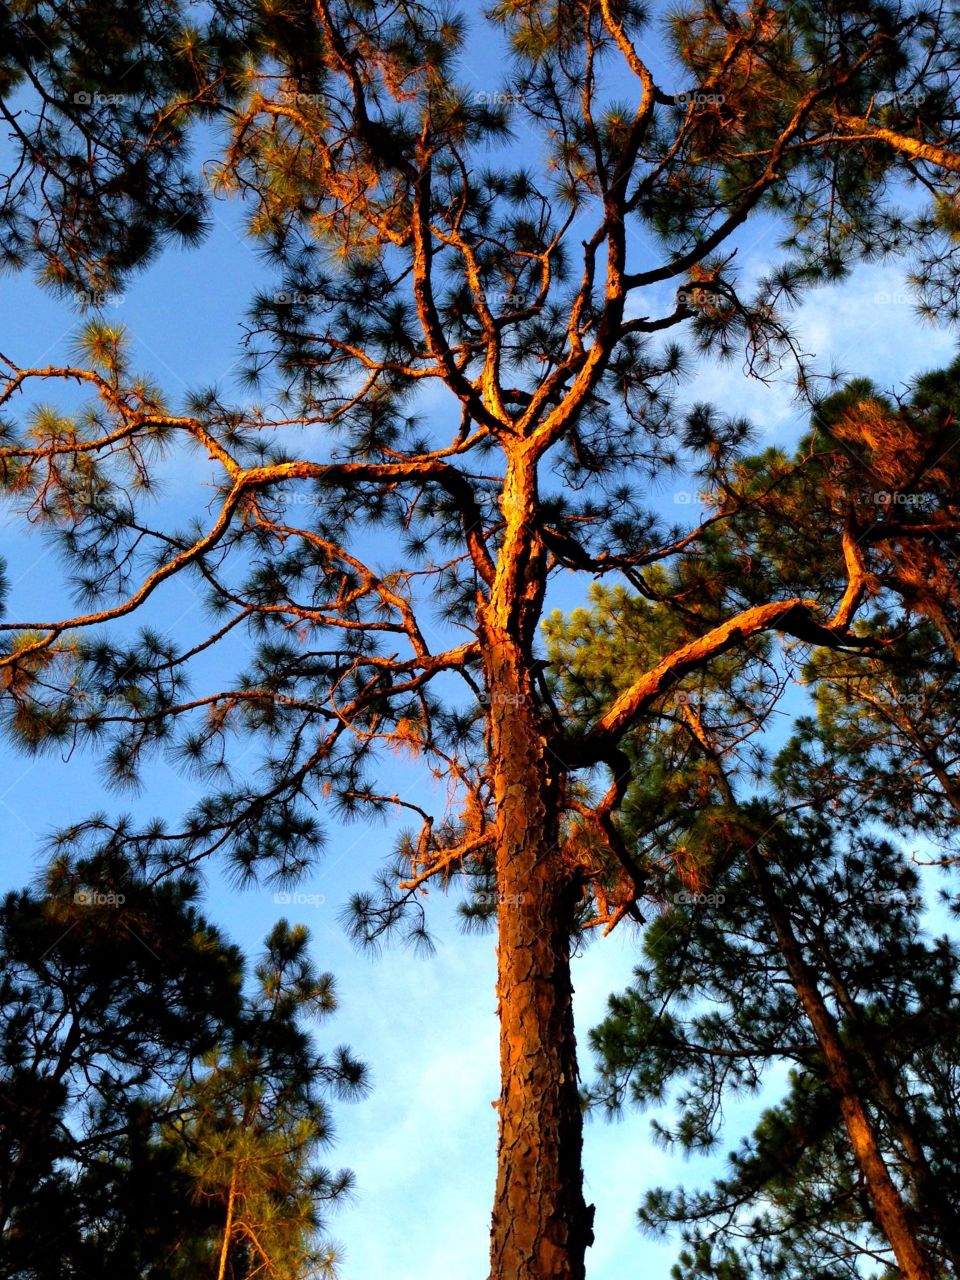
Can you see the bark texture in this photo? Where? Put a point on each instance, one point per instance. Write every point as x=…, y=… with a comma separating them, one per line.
x=892, y=1213
x=541, y=1226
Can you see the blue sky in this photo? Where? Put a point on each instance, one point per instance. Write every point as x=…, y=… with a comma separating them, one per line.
x=422, y=1146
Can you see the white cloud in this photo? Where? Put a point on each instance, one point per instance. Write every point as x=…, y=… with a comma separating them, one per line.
x=866, y=325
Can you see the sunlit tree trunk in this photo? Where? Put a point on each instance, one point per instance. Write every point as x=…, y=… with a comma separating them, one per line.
x=228, y=1227
x=892, y=1214
x=889, y=1093
x=541, y=1226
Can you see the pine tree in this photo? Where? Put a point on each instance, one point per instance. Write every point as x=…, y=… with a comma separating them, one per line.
x=257, y=1119
x=392, y=572
x=797, y=913
x=718, y=1000
x=127, y=1039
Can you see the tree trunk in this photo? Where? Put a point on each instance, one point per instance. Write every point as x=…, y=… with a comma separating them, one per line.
x=228, y=1226
x=23, y=1173
x=541, y=1226
x=888, y=1090
x=892, y=1214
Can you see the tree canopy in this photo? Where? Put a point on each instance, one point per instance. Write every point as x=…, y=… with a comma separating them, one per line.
x=136, y=1072
x=789, y=926
x=461, y=389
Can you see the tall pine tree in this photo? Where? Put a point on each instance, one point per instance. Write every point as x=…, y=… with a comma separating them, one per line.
x=135, y=1065
x=390, y=562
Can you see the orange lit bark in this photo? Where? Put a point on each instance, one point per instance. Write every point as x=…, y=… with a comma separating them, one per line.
x=541, y=1226
x=929, y=1196
x=892, y=1215
x=228, y=1226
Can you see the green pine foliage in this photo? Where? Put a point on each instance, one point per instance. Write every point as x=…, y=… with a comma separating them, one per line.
x=463, y=385
x=140, y=1074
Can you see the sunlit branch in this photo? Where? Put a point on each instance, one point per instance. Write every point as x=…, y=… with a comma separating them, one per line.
x=796, y=617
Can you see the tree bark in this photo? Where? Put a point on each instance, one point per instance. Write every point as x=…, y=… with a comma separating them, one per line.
x=228, y=1226
x=889, y=1093
x=892, y=1215
x=541, y=1226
